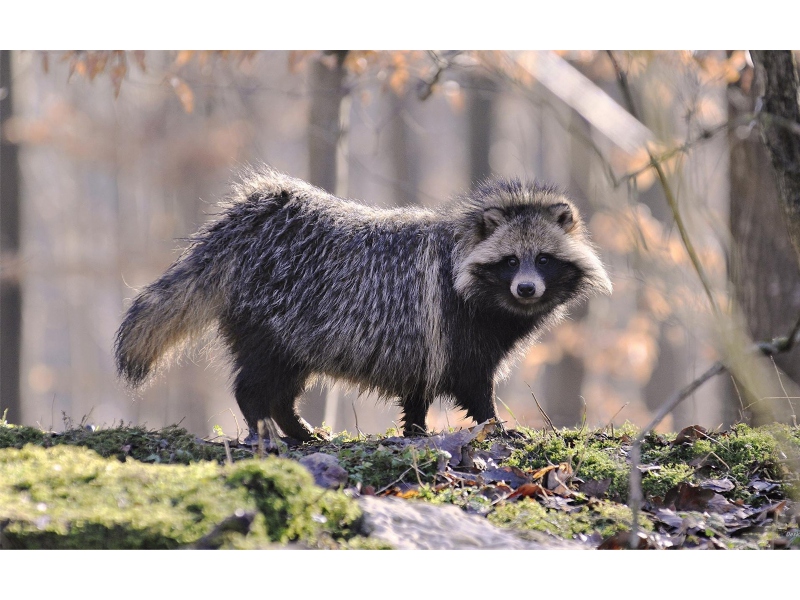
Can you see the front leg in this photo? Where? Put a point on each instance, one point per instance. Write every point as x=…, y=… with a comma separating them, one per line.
x=477, y=398
x=415, y=409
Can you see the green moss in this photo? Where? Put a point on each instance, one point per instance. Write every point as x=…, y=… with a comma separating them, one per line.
x=16, y=436
x=72, y=498
x=372, y=463
x=592, y=456
x=740, y=454
x=170, y=445
x=293, y=507
x=602, y=517
x=471, y=498
x=660, y=481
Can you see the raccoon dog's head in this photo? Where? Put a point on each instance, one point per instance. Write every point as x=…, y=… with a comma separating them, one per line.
x=522, y=247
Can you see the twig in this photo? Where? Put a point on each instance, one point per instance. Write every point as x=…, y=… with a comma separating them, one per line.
x=513, y=416
x=739, y=394
x=785, y=393
x=442, y=64
x=583, y=415
x=727, y=466
x=228, y=455
x=781, y=344
x=355, y=416
x=415, y=464
x=403, y=474
x=541, y=410
x=611, y=420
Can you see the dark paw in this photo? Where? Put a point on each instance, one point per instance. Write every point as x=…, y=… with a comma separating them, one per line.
x=251, y=439
x=415, y=431
x=512, y=434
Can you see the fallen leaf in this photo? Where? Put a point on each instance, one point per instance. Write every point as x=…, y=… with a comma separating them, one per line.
x=529, y=490
x=760, y=485
x=595, y=488
x=453, y=443
x=558, y=478
x=543, y=471
x=689, y=435
x=621, y=541
x=511, y=475
x=559, y=503
x=649, y=468
x=686, y=496
x=668, y=517
x=718, y=485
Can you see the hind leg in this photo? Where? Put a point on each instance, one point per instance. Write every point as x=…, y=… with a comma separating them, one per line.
x=415, y=409
x=269, y=388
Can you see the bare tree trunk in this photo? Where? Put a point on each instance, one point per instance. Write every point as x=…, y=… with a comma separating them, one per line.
x=325, y=130
x=480, y=103
x=764, y=267
x=324, y=127
x=10, y=285
x=781, y=131
x=404, y=155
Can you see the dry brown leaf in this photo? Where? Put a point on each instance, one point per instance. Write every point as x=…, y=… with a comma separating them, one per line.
x=558, y=479
x=690, y=434
x=543, y=471
x=529, y=490
x=686, y=496
x=621, y=541
x=411, y=493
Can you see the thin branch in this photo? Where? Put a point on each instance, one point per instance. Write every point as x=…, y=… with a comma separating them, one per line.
x=443, y=62
x=704, y=135
x=668, y=193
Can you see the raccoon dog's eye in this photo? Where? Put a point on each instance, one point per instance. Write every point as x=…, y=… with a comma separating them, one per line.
x=512, y=261
x=542, y=259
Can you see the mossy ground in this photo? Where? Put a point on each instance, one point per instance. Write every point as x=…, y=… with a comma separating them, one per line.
x=129, y=487
x=67, y=496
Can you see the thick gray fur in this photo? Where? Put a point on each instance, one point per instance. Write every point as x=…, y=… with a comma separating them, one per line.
x=410, y=302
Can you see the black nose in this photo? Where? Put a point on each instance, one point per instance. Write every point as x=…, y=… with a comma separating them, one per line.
x=526, y=290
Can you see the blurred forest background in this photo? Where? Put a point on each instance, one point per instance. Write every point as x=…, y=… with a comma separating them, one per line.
x=111, y=159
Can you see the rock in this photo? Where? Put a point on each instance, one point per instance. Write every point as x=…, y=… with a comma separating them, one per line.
x=327, y=471
x=409, y=525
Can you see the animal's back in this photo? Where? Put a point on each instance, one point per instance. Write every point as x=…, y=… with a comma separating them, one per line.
x=337, y=284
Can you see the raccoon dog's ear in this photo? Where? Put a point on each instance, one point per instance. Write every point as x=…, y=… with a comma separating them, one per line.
x=492, y=219
x=564, y=214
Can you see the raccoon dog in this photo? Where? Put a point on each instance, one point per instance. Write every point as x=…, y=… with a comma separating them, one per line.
x=413, y=303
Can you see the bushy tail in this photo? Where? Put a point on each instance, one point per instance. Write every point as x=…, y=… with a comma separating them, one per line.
x=177, y=307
